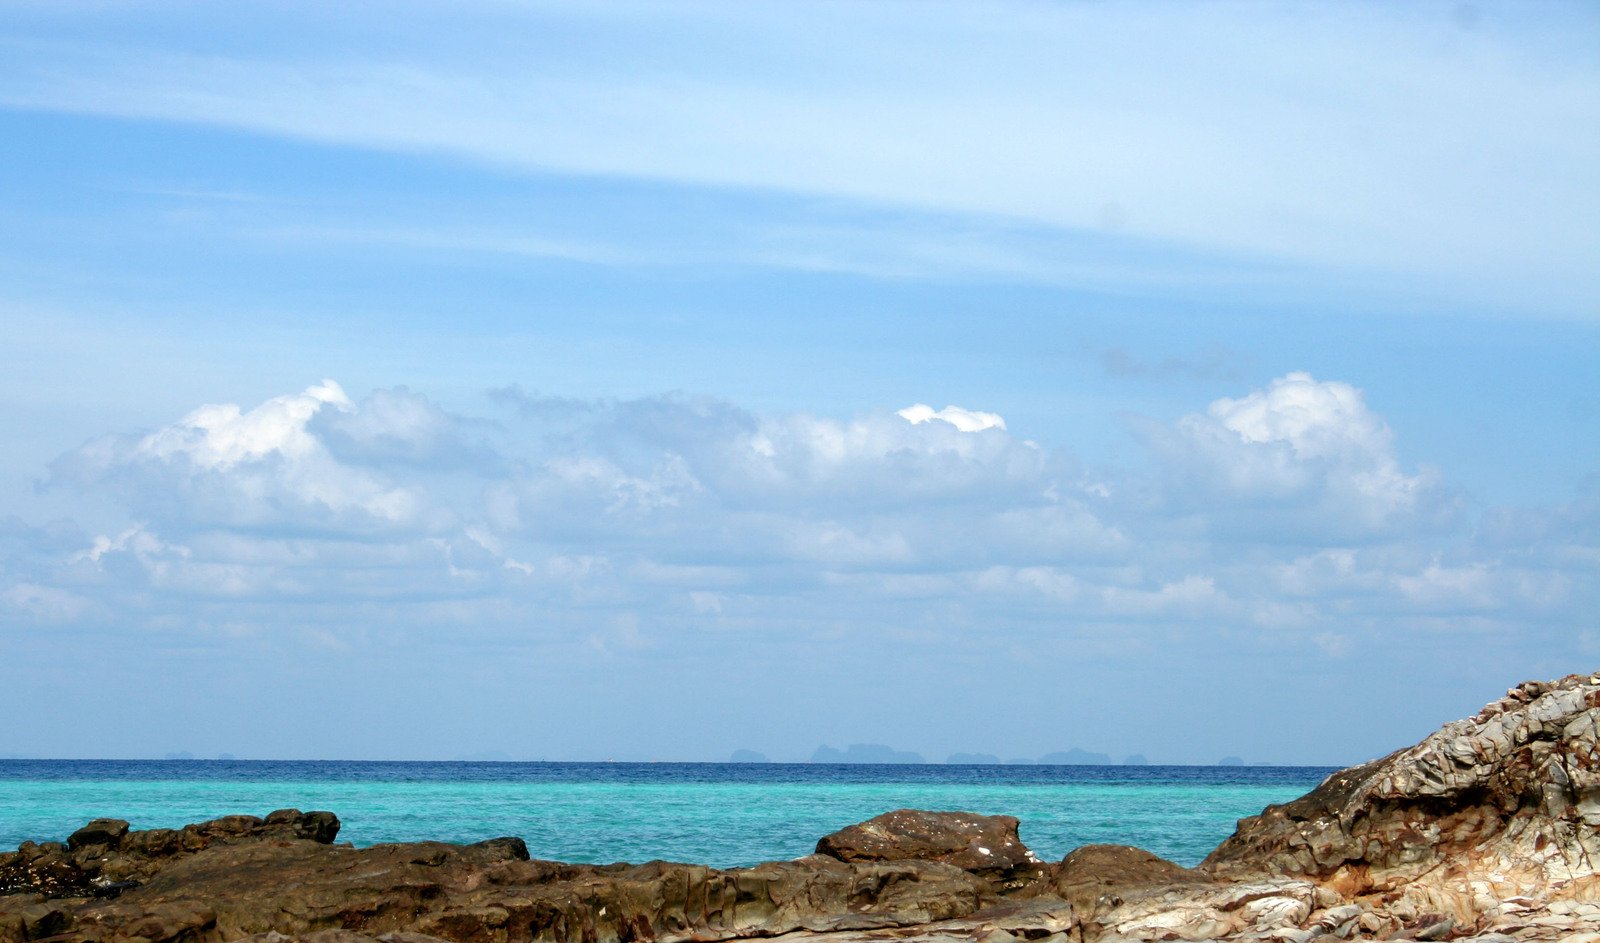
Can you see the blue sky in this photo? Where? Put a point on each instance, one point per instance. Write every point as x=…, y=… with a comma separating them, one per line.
x=410, y=380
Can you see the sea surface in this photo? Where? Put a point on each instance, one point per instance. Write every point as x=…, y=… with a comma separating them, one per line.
x=721, y=814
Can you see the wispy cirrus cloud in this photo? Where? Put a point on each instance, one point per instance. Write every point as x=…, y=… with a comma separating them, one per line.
x=1337, y=141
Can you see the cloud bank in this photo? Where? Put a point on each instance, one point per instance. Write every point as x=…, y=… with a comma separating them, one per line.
x=1285, y=510
x=645, y=549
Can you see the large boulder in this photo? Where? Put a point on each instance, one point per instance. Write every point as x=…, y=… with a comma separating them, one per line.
x=1097, y=877
x=100, y=832
x=978, y=843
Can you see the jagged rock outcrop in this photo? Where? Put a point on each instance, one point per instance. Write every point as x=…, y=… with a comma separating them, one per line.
x=1488, y=826
x=1489, y=831
x=1515, y=789
x=1476, y=824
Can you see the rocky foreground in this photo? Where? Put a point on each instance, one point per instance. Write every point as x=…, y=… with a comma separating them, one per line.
x=1488, y=830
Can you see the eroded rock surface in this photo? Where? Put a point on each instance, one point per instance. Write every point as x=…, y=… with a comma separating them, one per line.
x=1485, y=822
x=1485, y=831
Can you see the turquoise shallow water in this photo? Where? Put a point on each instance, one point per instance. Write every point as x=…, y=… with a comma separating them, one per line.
x=719, y=814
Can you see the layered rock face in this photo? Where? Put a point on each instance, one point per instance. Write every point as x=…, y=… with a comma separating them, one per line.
x=1489, y=830
x=1494, y=819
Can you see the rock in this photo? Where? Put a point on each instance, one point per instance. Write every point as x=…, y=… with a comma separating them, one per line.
x=111, y=889
x=1429, y=927
x=1499, y=797
x=1101, y=876
x=108, y=859
x=42, y=920
x=153, y=843
x=509, y=848
x=1337, y=922
x=107, y=832
x=48, y=873
x=254, y=876
x=979, y=843
x=322, y=827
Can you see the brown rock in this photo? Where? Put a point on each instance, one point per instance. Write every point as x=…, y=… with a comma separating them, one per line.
x=980, y=843
x=252, y=878
x=42, y=920
x=1100, y=876
x=107, y=832
x=48, y=873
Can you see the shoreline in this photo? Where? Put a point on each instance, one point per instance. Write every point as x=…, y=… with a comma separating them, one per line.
x=1487, y=830
x=721, y=815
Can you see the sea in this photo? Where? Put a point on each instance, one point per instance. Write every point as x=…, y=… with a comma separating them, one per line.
x=721, y=814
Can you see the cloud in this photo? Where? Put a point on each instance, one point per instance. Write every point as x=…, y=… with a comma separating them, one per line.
x=1345, y=140
x=710, y=483
x=966, y=420
x=397, y=427
x=44, y=603
x=222, y=437
x=1281, y=512
x=267, y=467
x=1301, y=455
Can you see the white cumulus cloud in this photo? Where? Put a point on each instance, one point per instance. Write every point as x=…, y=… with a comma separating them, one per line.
x=967, y=420
x=1282, y=510
x=1301, y=454
x=266, y=466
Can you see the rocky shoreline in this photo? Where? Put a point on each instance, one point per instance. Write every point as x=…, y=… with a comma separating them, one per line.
x=1488, y=830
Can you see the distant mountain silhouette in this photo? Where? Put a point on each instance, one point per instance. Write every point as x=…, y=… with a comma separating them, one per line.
x=1135, y=759
x=974, y=759
x=1230, y=761
x=864, y=753
x=742, y=755
x=1075, y=757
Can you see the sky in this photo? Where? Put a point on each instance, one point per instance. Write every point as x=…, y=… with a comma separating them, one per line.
x=654, y=380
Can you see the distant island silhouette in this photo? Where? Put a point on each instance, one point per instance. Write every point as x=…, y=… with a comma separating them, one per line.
x=864, y=753
x=973, y=759
x=882, y=753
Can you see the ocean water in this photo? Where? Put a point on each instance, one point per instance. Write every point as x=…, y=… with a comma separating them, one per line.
x=722, y=814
